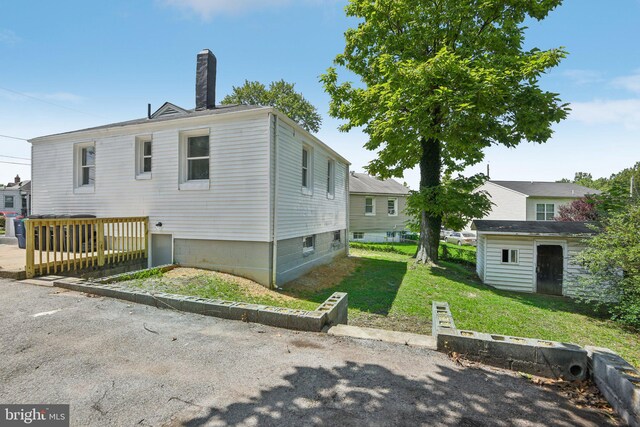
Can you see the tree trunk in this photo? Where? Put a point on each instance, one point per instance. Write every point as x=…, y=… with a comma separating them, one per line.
x=430, y=164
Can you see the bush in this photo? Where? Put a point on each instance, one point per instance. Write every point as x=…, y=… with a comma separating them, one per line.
x=2, y=222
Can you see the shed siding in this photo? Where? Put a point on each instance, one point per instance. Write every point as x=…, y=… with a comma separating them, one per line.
x=300, y=214
x=236, y=207
x=380, y=222
x=533, y=201
x=480, y=256
x=512, y=277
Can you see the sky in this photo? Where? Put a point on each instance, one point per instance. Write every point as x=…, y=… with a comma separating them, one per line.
x=68, y=65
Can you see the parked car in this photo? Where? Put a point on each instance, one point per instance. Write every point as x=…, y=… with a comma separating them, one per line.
x=444, y=233
x=462, y=238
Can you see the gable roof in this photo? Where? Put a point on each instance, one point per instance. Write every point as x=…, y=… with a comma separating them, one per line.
x=547, y=189
x=168, y=111
x=366, y=184
x=532, y=227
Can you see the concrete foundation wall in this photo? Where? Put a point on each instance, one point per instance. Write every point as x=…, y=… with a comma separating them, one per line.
x=292, y=262
x=247, y=259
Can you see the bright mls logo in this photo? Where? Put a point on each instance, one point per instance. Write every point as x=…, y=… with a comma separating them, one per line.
x=34, y=415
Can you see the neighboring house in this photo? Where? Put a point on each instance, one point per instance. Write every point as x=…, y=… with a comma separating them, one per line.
x=530, y=256
x=530, y=200
x=376, y=209
x=240, y=189
x=16, y=197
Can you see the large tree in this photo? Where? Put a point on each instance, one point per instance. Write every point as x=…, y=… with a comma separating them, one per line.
x=281, y=95
x=441, y=80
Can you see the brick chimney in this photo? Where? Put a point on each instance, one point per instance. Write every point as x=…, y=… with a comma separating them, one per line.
x=16, y=180
x=206, y=80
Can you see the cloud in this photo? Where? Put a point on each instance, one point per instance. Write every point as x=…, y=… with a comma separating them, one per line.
x=583, y=77
x=8, y=37
x=623, y=112
x=631, y=82
x=209, y=8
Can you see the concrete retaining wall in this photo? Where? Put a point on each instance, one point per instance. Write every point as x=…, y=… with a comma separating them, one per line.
x=538, y=357
x=618, y=381
x=332, y=311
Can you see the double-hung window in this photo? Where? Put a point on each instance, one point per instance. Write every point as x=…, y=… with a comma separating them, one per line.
x=195, y=158
x=392, y=207
x=144, y=147
x=545, y=211
x=369, y=206
x=8, y=201
x=85, y=167
x=307, y=170
x=331, y=178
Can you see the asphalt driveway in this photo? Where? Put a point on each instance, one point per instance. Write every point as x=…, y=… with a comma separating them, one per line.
x=124, y=364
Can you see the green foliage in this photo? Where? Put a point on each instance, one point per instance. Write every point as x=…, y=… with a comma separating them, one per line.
x=280, y=95
x=2, y=221
x=612, y=258
x=441, y=82
x=465, y=255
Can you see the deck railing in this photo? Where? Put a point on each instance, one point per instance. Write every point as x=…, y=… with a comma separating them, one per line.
x=59, y=245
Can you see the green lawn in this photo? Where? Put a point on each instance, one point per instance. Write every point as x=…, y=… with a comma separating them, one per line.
x=387, y=290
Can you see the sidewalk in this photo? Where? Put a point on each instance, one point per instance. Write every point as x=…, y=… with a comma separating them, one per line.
x=12, y=262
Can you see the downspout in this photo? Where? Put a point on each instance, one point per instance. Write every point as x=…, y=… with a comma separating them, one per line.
x=348, y=197
x=273, y=121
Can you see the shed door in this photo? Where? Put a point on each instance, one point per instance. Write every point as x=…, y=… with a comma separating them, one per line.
x=549, y=269
x=161, y=250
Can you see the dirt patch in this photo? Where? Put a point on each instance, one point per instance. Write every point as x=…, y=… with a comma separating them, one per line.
x=304, y=344
x=325, y=276
x=184, y=274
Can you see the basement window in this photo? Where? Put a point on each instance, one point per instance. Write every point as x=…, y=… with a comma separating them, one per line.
x=510, y=256
x=358, y=235
x=308, y=244
x=336, y=236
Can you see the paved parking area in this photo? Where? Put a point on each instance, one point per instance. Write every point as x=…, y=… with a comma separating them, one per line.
x=120, y=364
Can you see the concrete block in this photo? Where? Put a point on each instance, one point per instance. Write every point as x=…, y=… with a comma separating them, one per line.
x=441, y=318
x=618, y=381
x=336, y=308
x=246, y=312
x=217, y=308
x=145, y=298
x=189, y=304
x=274, y=316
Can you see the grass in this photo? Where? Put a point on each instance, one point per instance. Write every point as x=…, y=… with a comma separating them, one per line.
x=387, y=290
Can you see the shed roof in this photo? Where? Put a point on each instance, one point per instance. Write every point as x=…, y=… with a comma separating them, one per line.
x=547, y=189
x=533, y=227
x=367, y=184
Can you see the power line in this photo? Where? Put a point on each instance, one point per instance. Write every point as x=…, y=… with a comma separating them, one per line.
x=49, y=102
x=19, y=158
x=16, y=163
x=14, y=137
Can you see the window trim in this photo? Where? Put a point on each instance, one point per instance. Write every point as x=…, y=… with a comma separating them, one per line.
x=308, y=170
x=184, y=182
x=331, y=179
x=373, y=206
x=13, y=201
x=545, y=212
x=395, y=206
x=510, y=256
x=140, y=156
x=78, y=186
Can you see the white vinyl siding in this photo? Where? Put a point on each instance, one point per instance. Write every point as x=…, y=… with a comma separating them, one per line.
x=236, y=207
x=301, y=214
x=513, y=277
x=508, y=204
x=480, y=258
x=359, y=220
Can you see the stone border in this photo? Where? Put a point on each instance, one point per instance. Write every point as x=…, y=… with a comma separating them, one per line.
x=539, y=357
x=332, y=311
x=618, y=381
x=121, y=277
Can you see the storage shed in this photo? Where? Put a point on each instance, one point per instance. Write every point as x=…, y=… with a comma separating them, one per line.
x=530, y=256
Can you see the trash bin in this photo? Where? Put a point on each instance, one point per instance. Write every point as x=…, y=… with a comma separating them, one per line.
x=20, y=233
x=79, y=240
x=36, y=232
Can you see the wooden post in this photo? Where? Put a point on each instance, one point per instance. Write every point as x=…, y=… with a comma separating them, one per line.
x=100, y=238
x=30, y=235
x=146, y=237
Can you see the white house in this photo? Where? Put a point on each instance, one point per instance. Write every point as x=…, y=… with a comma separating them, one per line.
x=530, y=200
x=16, y=196
x=530, y=256
x=376, y=209
x=240, y=189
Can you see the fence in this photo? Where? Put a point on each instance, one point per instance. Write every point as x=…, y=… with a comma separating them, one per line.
x=60, y=245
